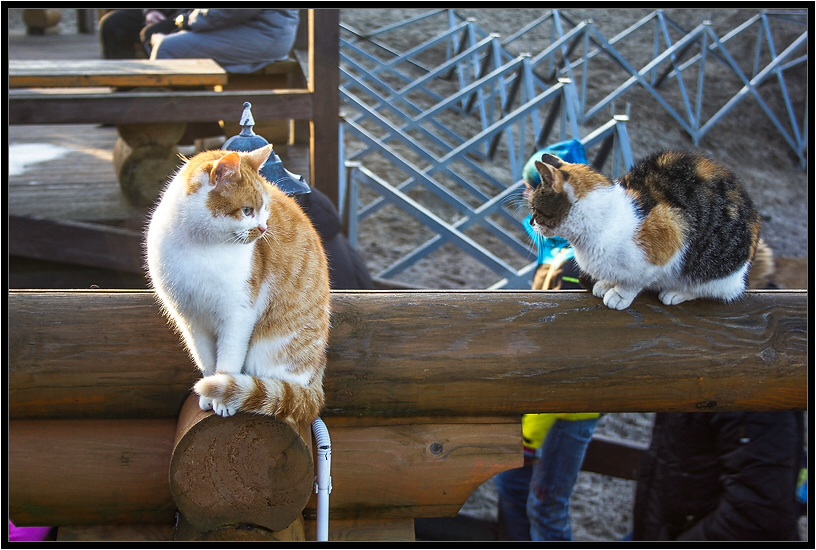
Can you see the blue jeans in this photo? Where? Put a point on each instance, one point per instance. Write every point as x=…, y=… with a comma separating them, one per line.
x=534, y=499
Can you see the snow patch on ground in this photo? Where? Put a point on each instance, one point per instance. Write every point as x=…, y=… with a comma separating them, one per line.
x=23, y=155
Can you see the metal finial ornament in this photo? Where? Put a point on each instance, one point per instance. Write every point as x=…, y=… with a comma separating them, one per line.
x=247, y=122
x=273, y=169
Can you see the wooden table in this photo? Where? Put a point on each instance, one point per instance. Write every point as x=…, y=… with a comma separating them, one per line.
x=130, y=73
x=146, y=153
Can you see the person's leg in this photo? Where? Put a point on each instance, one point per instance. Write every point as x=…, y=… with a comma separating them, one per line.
x=512, y=487
x=554, y=476
x=232, y=48
x=119, y=34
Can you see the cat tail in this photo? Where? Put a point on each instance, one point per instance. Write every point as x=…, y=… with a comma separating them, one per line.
x=763, y=267
x=268, y=396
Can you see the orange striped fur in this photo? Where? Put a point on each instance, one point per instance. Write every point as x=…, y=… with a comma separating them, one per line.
x=249, y=292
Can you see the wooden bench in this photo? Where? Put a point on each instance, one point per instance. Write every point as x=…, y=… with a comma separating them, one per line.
x=420, y=413
x=146, y=153
x=163, y=96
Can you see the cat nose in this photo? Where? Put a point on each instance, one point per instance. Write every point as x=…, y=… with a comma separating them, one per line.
x=262, y=228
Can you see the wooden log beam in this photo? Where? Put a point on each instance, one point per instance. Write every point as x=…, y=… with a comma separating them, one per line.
x=44, y=107
x=99, y=472
x=415, y=467
x=90, y=472
x=441, y=353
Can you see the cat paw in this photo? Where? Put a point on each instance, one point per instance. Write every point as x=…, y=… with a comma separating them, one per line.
x=600, y=288
x=673, y=297
x=221, y=409
x=205, y=403
x=618, y=299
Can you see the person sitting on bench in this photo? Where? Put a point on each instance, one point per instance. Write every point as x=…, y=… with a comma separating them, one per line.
x=240, y=40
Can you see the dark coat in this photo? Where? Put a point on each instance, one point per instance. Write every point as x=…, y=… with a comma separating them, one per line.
x=720, y=476
x=347, y=269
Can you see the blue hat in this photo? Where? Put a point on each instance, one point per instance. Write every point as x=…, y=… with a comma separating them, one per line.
x=571, y=151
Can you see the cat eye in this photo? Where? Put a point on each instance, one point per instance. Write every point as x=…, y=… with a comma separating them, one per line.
x=247, y=210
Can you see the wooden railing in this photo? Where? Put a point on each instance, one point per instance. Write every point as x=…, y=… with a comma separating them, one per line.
x=424, y=395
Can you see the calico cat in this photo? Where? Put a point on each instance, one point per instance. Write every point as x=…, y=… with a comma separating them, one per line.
x=241, y=273
x=678, y=223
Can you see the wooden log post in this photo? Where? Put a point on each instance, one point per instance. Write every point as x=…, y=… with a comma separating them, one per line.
x=244, y=470
x=37, y=21
x=145, y=156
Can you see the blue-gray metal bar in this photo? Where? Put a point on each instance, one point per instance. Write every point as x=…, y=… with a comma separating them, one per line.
x=369, y=38
x=389, y=66
x=522, y=110
x=398, y=25
x=463, y=224
x=483, y=45
x=422, y=47
x=382, y=103
x=415, y=175
x=407, y=141
x=637, y=77
x=436, y=224
x=452, y=99
x=750, y=87
x=369, y=113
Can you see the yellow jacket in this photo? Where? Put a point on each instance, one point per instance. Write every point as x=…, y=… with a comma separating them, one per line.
x=535, y=427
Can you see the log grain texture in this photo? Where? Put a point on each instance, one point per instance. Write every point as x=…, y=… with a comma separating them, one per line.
x=439, y=353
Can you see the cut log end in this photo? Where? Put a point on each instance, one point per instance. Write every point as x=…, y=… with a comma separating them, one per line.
x=245, y=469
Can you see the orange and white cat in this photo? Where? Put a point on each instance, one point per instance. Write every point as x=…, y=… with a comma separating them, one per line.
x=679, y=223
x=241, y=273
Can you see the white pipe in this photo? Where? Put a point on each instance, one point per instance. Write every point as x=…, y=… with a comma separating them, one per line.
x=323, y=478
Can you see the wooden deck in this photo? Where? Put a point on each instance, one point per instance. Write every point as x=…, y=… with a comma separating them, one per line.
x=65, y=172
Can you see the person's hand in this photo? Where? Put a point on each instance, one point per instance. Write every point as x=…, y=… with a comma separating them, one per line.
x=156, y=38
x=154, y=16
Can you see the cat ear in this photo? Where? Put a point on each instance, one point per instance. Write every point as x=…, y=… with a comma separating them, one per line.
x=258, y=157
x=226, y=170
x=549, y=175
x=552, y=160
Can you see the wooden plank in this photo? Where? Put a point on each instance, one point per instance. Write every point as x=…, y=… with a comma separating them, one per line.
x=324, y=83
x=92, y=245
x=89, y=190
x=155, y=107
x=448, y=353
x=54, y=46
x=135, y=73
x=613, y=458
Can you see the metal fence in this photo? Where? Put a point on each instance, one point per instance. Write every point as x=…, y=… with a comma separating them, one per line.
x=442, y=130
